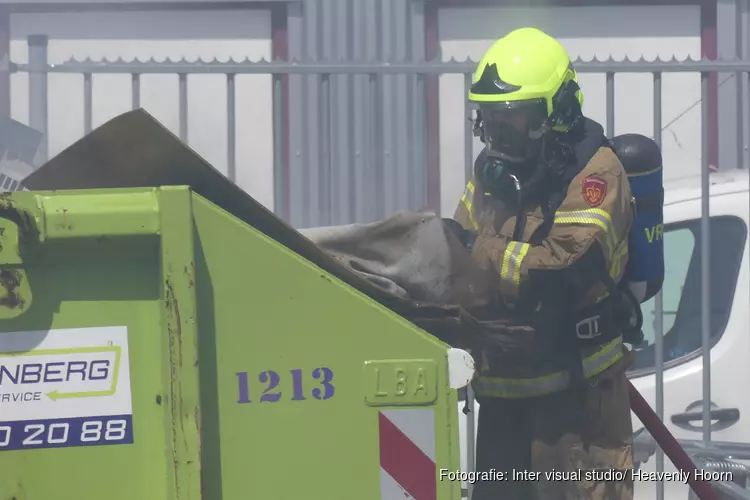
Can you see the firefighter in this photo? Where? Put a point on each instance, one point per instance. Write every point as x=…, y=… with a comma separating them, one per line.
x=550, y=207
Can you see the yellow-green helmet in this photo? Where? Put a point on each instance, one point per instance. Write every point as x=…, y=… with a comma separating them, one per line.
x=524, y=87
x=530, y=65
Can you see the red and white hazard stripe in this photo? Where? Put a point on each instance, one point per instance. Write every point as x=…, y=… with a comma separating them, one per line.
x=407, y=454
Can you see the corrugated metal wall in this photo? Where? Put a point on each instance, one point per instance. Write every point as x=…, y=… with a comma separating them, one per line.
x=358, y=146
x=373, y=160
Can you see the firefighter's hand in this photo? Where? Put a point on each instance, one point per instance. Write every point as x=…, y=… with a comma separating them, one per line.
x=470, y=238
x=464, y=236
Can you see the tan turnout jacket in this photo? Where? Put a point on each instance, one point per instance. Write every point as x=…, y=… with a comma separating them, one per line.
x=595, y=215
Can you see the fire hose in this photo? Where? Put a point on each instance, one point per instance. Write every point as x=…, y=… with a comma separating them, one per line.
x=669, y=444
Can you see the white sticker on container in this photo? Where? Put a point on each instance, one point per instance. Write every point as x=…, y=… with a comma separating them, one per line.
x=64, y=388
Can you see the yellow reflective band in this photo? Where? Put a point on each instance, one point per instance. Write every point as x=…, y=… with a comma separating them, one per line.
x=615, y=269
x=595, y=216
x=512, y=260
x=602, y=359
x=467, y=199
x=467, y=205
x=512, y=388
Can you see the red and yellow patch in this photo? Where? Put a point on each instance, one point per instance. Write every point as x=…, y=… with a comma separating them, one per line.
x=593, y=190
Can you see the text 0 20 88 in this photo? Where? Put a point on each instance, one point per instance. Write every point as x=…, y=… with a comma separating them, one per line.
x=66, y=432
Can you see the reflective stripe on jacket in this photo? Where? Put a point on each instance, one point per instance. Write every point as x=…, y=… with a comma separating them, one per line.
x=596, y=212
x=593, y=364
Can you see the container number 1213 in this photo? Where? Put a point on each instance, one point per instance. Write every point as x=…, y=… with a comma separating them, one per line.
x=317, y=383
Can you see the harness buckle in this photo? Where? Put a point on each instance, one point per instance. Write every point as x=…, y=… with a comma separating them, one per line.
x=588, y=328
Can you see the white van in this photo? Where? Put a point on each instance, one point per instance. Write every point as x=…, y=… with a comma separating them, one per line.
x=681, y=295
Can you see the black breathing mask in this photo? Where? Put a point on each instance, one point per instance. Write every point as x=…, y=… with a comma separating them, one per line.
x=512, y=135
x=497, y=177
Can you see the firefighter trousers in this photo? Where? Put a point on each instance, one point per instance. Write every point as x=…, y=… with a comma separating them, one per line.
x=570, y=445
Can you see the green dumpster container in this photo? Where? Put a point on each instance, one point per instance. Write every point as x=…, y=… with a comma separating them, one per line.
x=158, y=345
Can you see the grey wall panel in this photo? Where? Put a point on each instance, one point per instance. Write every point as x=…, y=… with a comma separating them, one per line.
x=357, y=141
x=730, y=87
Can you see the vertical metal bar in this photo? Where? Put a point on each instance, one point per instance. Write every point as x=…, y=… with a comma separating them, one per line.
x=418, y=164
x=746, y=56
x=353, y=119
x=610, y=104
x=5, y=62
x=309, y=217
x=369, y=151
x=470, y=434
x=343, y=138
x=412, y=143
x=410, y=82
x=278, y=148
x=739, y=88
x=38, y=96
x=659, y=310
x=740, y=91
x=135, y=91
x=470, y=396
x=389, y=166
x=338, y=168
x=705, y=260
x=324, y=183
x=468, y=135
x=362, y=153
x=309, y=169
x=183, y=107
x=376, y=166
x=87, y=103
x=232, y=130
x=352, y=137
x=380, y=144
x=293, y=120
x=399, y=103
x=420, y=147
x=359, y=110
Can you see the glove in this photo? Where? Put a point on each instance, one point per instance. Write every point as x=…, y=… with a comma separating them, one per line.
x=466, y=237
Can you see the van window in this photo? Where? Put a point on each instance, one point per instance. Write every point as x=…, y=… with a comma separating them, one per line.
x=681, y=291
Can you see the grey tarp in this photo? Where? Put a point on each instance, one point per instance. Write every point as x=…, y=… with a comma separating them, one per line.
x=409, y=255
x=135, y=150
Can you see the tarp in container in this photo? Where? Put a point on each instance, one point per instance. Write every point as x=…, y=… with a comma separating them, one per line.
x=409, y=263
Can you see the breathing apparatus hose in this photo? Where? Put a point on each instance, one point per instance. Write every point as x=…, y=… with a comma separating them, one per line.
x=520, y=227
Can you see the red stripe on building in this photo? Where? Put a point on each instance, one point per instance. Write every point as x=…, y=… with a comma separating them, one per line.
x=405, y=462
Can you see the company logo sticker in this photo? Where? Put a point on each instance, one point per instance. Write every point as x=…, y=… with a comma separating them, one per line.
x=71, y=389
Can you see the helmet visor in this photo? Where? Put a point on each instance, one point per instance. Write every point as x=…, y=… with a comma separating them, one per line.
x=509, y=127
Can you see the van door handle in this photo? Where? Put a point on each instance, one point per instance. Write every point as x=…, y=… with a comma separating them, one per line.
x=723, y=417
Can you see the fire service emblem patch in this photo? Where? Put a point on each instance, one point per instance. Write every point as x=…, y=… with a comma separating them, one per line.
x=594, y=190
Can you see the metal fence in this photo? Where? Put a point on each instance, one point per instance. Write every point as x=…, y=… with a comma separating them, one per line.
x=358, y=159
x=357, y=144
